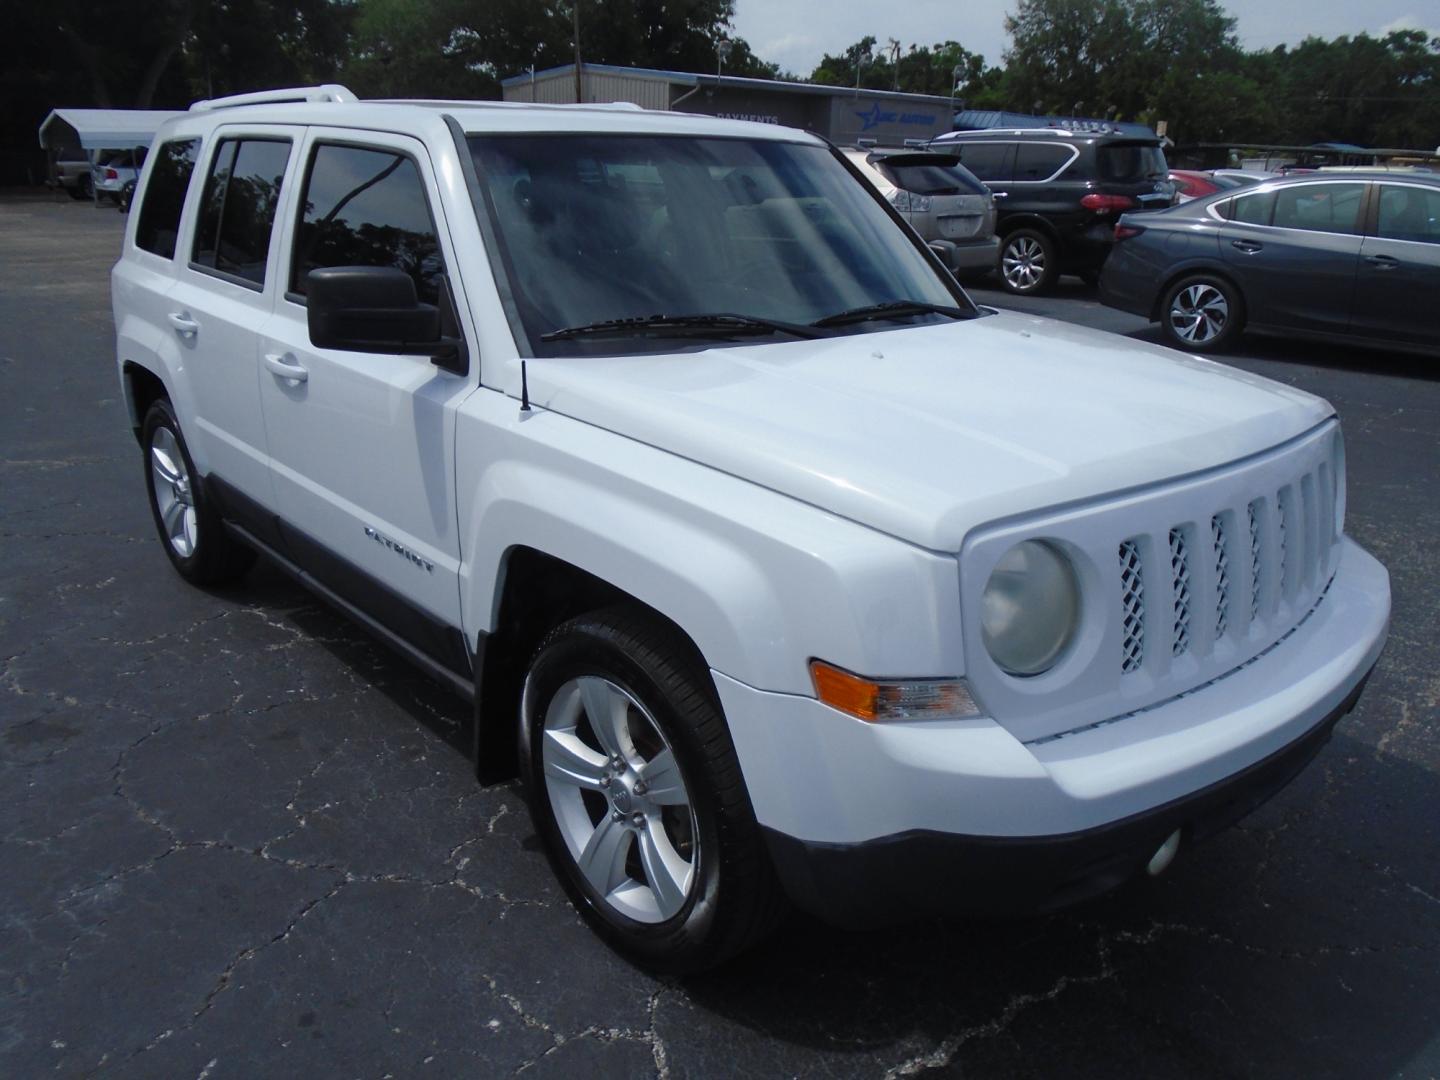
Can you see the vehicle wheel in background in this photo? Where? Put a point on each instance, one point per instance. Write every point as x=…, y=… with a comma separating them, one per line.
x=1202, y=313
x=84, y=187
x=1028, y=262
x=635, y=790
x=193, y=535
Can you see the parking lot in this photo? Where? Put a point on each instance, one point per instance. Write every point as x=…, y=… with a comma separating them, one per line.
x=240, y=839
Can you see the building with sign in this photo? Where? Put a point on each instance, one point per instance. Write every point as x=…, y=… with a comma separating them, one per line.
x=841, y=114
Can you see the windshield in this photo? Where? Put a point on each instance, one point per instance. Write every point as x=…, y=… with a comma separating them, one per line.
x=596, y=228
x=925, y=175
x=1130, y=163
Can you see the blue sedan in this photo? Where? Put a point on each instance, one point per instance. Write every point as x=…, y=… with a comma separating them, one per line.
x=1353, y=255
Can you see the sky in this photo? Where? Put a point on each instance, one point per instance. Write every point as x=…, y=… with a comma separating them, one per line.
x=796, y=33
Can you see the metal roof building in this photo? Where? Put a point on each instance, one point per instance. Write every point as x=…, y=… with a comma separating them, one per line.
x=841, y=114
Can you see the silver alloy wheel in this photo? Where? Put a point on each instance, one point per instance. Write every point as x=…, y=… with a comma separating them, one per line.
x=619, y=800
x=174, y=498
x=1199, y=313
x=1023, y=262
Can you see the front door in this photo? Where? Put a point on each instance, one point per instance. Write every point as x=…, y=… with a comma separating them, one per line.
x=1399, y=275
x=362, y=444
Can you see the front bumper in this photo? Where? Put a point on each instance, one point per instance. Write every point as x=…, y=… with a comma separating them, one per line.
x=857, y=811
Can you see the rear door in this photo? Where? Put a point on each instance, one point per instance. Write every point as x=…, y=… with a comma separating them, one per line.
x=1398, y=277
x=992, y=162
x=1294, y=250
x=224, y=292
x=362, y=444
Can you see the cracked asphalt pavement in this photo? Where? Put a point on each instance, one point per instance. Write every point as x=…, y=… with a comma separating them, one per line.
x=240, y=839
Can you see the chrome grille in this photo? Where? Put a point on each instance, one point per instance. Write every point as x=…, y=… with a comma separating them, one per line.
x=1132, y=604
x=1222, y=575
x=1179, y=592
x=1186, y=579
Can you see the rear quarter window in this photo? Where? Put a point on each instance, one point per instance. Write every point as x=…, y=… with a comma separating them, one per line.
x=1038, y=161
x=989, y=161
x=1409, y=213
x=159, y=223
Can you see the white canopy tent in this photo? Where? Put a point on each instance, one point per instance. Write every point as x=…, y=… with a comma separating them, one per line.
x=102, y=129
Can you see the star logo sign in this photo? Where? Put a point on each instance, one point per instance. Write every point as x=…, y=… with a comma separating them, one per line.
x=871, y=118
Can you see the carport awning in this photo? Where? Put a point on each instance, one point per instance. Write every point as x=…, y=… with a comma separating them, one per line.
x=102, y=129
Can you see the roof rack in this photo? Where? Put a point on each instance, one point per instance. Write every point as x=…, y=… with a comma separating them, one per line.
x=329, y=92
x=486, y=103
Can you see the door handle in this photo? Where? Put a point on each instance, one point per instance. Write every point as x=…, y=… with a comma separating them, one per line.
x=999, y=194
x=1246, y=246
x=183, y=324
x=286, y=367
x=1382, y=262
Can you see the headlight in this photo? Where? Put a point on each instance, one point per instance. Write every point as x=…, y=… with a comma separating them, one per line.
x=1030, y=608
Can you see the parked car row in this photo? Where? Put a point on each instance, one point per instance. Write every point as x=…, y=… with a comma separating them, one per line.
x=1352, y=254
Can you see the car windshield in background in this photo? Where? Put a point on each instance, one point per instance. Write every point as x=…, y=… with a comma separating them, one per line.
x=923, y=175
x=600, y=228
x=1130, y=163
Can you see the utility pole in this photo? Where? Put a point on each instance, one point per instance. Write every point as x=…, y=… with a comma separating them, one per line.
x=575, y=16
x=895, y=60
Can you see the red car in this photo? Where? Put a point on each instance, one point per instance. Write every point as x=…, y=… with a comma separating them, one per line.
x=1191, y=185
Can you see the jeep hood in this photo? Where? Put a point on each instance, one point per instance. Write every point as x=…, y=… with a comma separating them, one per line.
x=925, y=432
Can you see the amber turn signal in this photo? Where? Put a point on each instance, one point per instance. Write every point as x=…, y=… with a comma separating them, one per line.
x=880, y=701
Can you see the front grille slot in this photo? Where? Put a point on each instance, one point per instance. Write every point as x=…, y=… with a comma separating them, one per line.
x=1222, y=575
x=1132, y=606
x=1256, y=554
x=1180, y=591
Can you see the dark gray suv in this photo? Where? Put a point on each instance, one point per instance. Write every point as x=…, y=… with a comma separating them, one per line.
x=1058, y=193
x=1350, y=254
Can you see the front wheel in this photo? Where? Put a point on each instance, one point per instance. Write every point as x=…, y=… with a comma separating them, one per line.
x=1028, y=262
x=1202, y=313
x=192, y=532
x=636, y=792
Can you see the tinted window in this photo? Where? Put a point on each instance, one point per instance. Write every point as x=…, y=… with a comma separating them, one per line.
x=1130, y=163
x=238, y=207
x=159, y=223
x=988, y=161
x=925, y=175
x=367, y=208
x=1253, y=209
x=1409, y=213
x=1319, y=207
x=1036, y=161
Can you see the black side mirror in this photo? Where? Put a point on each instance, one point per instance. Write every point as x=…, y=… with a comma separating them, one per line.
x=374, y=309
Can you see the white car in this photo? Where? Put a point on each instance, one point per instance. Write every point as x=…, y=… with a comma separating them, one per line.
x=777, y=567
x=953, y=212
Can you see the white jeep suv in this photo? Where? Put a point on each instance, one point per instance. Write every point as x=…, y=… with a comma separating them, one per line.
x=777, y=567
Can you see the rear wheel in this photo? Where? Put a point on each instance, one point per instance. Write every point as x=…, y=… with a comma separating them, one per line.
x=194, y=537
x=636, y=792
x=1028, y=262
x=1202, y=313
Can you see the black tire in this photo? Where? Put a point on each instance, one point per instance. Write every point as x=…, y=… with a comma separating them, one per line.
x=733, y=898
x=1028, y=262
x=84, y=187
x=206, y=554
x=1202, y=313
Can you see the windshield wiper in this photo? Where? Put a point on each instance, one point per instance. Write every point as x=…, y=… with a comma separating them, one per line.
x=725, y=321
x=891, y=309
